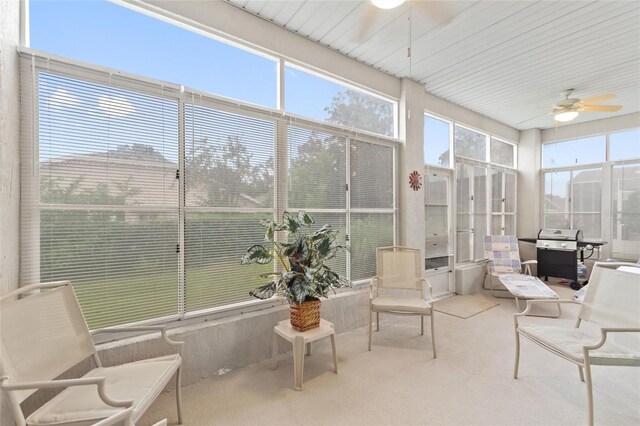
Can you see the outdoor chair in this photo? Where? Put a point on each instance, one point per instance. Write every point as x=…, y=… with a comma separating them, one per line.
x=44, y=334
x=611, y=304
x=504, y=270
x=398, y=288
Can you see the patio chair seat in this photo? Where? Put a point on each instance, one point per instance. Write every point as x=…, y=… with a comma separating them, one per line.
x=570, y=342
x=401, y=304
x=140, y=381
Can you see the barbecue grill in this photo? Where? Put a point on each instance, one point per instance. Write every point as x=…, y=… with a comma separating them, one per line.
x=557, y=251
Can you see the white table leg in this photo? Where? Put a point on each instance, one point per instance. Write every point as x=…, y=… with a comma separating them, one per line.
x=274, y=352
x=335, y=356
x=298, y=361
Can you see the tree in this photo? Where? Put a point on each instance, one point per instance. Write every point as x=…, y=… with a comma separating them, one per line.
x=317, y=173
x=223, y=174
x=468, y=144
x=361, y=111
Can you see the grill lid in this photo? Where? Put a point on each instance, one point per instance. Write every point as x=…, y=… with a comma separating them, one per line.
x=560, y=234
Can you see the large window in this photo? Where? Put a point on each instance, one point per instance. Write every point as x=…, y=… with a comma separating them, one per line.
x=437, y=141
x=143, y=184
x=108, y=198
x=572, y=200
x=353, y=191
x=108, y=34
x=322, y=99
x=485, y=190
x=574, y=152
x=503, y=202
x=485, y=185
x=625, y=200
x=577, y=176
x=146, y=196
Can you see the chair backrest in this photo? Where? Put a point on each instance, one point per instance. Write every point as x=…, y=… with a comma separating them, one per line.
x=42, y=335
x=399, y=268
x=503, y=253
x=612, y=298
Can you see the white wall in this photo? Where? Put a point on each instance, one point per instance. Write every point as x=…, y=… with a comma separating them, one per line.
x=9, y=145
x=529, y=201
x=9, y=158
x=411, y=214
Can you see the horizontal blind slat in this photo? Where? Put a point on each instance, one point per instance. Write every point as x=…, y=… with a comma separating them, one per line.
x=102, y=145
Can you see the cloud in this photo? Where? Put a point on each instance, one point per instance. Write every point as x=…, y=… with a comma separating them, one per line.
x=61, y=99
x=115, y=106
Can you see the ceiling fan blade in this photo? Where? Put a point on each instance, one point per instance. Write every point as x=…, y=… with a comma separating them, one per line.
x=600, y=98
x=366, y=23
x=435, y=10
x=602, y=108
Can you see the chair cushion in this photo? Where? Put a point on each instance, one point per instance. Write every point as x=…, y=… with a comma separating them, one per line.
x=570, y=341
x=140, y=381
x=401, y=304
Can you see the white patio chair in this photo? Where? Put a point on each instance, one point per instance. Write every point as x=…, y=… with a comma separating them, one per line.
x=44, y=334
x=611, y=302
x=398, y=288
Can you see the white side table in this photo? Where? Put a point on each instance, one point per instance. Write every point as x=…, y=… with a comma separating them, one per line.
x=299, y=339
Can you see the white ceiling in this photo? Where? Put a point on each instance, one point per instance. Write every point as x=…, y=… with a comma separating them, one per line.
x=507, y=60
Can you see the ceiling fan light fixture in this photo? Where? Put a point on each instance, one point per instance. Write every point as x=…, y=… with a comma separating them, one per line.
x=387, y=4
x=566, y=116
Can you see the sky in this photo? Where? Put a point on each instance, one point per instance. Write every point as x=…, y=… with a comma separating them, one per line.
x=107, y=34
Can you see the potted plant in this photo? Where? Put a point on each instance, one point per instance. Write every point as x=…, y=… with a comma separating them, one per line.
x=304, y=276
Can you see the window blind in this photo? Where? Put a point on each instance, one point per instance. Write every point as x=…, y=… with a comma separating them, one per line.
x=371, y=205
x=108, y=197
x=146, y=199
x=229, y=178
x=317, y=173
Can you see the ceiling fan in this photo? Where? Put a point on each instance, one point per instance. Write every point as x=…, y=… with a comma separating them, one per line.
x=435, y=11
x=569, y=108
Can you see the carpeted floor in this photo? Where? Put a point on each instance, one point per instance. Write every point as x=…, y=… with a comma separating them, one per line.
x=466, y=306
x=399, y=383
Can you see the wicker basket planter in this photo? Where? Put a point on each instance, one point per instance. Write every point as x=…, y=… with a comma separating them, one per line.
x=305, y=316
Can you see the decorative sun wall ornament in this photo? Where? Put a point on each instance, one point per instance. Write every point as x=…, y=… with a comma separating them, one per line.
x=415, y=180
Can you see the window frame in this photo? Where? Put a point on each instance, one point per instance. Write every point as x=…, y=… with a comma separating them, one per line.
x=606, y=217
x=454, y=161
x=335, y=80
x=41, y=61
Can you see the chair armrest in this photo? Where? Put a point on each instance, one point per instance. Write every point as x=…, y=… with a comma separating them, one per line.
x=162, y=329
x=82, y=381
x=373, y=282
x=529, y=262
x=424, y=280
x=116, y=419
x=530, y=303
x=603, y=336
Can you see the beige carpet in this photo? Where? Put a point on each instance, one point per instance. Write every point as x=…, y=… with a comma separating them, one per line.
x=465, y=306
x=399, y=383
